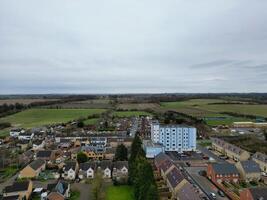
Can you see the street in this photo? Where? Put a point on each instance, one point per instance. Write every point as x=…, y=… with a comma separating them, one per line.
x=203, y=182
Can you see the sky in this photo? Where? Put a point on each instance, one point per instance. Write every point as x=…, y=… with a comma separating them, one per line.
x=133, y=46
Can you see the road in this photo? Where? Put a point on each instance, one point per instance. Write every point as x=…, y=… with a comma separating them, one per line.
x=207, y=152
x=203, y=182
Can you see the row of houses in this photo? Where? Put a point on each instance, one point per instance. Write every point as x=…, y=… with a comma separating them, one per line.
x=71, y=169
x=236, y=153
x=247, y=171
x=176, y=181
x=22, y=190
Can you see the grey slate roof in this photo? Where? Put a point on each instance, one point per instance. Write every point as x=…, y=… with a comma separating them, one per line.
x=250, y=166
x=160, y=158
x=17, y=187
x=260, y=156
x=70, y=165
x=166, y=165
x=120, y=164
x=43, y=154
x=259, y=193
x=36, y=164
x=175, y=177
x=87, y=165
x=224, y=168
x=104, y=164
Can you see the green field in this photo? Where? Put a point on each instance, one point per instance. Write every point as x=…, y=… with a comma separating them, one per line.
x=119, y=193
x=4, y=132
x=130, y=113
x=39, y=117
x=211, y=113
x=92, y=121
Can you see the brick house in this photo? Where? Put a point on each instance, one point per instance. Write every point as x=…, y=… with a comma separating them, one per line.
x=219, y=172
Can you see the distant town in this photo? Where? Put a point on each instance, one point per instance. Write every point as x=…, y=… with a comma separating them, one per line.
x=133, y=147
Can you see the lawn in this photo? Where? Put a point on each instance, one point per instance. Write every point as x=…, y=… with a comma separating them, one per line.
x=39, y=117
x=130, y=113
x=119, y=193
x=92, y=121
x=4, y=133
x=74, y=195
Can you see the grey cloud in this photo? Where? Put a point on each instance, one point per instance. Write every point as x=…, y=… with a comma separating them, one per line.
x=86, y=46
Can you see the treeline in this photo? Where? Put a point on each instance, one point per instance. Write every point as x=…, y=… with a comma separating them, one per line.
x=254, y=117
x=141, y=175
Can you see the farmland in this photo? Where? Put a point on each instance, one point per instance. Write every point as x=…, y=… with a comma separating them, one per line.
x=24, y=101
x=130, y=113
x=94, y=103
x=38, y=117
x=211, y=110
x=137, y=106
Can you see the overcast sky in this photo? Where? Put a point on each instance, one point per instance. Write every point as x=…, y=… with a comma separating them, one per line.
x=132, y=46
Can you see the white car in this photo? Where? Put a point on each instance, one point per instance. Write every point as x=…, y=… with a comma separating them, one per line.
x=213, y=195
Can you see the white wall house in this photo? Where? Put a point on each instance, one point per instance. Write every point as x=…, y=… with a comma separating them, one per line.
x=70, y=170
x=174, y=137
x=25, y=136
x=15, y=132
x=87, y=170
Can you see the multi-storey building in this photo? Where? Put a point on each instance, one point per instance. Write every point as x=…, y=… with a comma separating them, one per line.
x=174, y=137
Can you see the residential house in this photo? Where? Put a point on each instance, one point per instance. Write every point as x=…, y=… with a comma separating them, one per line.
x=25, y=136
x=23, y=145
x=18, y=190
x=105, y=167
x=33, y=169
x=15, y=132
x=249, y=170
x=58, y=191
x=175, y=180
x=261, y=159
x=26, y=157
x=230, y=150
x=115, y=142
x=46, y=155
x=38, y=145
x=160, y=158
x=257, y=193
x=87, y=170
x=120, y=170
x=166, y=167
x=219, y=172
x=70, y=170
x=110, y=153
x=94, y=152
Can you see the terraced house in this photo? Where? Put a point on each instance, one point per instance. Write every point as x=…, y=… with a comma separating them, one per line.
x=219, y=172
x=261, y=159
x=232, y=151
x=249, y=170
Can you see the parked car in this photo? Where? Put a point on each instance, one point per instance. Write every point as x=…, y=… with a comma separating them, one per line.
x=221, y=193
x=213, y=195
